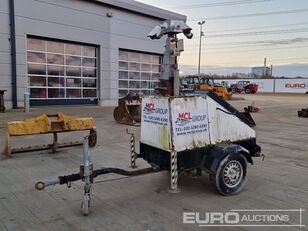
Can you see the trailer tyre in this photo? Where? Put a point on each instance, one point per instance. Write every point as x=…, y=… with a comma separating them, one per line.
x=230, y=177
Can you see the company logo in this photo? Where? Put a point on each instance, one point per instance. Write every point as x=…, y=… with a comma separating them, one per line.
x=247, y=217
x=183, y=119
x=150, y=109
x=296, y=85
x=186, y=117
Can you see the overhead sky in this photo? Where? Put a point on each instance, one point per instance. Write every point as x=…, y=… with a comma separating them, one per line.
x=239, y=34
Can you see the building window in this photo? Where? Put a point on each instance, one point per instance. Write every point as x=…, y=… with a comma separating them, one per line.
x=138, y=72
x=61, y=70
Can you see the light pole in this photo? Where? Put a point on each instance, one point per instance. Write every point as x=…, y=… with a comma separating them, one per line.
x=201, y=34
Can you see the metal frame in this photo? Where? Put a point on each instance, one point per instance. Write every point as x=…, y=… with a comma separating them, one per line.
x=60, y=125
x=87, y=174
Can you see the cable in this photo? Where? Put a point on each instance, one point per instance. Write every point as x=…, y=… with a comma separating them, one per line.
x=252, y=50
x=256, y=42
x=257, y=33
x=287, y=59
x=243, y=44
x=252, y=15
x=260, y=27
x=256, y=61
x=216, y=4
x=257, y=50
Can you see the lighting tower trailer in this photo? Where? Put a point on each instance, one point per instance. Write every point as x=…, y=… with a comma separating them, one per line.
x=181, y=134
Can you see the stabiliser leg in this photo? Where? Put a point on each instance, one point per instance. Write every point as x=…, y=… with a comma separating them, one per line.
x=133, y=154
x=174, y=172
x=87, y=168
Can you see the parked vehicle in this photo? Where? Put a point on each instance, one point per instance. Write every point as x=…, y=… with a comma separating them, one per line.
x=205, y=84
x=244, y=87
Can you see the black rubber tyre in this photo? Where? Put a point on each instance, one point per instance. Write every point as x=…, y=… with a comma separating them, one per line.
x=230, y=177
x=233, y=90
x=247, y=90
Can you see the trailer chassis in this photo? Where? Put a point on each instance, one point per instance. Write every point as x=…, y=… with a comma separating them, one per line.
x=208, y=160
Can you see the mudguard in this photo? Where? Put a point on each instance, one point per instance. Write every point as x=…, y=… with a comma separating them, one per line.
x=219, y=152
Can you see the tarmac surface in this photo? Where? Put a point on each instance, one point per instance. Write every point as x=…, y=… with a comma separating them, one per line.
x=143, y=202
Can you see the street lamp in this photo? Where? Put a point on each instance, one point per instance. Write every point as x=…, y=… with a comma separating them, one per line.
x=201, y=34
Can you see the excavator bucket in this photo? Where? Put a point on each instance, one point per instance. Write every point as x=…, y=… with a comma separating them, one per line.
x=128, y=110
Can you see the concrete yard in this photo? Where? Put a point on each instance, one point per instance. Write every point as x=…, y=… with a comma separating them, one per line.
x=143, y=202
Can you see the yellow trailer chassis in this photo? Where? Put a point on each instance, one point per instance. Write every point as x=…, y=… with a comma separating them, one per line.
x=44, y=124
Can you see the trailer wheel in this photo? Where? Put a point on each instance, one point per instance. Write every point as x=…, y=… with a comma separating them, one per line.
x=230, y=177
x=85, y=205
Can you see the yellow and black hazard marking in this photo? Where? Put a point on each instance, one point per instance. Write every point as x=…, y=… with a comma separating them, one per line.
x=174, y=170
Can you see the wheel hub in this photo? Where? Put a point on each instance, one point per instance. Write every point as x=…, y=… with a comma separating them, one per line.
x=233, y=173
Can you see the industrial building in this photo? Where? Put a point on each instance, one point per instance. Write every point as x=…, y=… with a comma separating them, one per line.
x=68, y=52
x=259, y=72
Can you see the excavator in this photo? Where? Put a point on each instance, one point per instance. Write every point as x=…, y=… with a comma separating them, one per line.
x=192, y=83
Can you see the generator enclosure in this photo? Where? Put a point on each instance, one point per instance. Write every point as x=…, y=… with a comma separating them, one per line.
x=186, y=123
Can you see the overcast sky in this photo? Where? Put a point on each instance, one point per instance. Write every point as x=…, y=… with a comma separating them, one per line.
x=239, y=34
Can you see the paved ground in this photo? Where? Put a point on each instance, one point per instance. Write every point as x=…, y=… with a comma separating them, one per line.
x=143, y=203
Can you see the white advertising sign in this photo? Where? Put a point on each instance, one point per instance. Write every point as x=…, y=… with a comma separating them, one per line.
x=275, y=85
x=189, y=123
x=291, y=85
x=155, y=122
x=186, y=123
x=264, y=85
